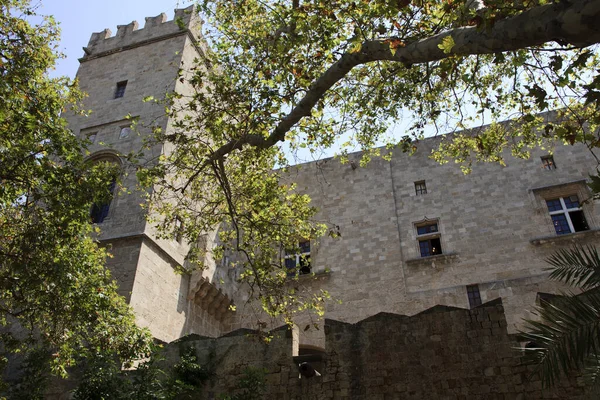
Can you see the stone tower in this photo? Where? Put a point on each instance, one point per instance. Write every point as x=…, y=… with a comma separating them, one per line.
x=118, y=72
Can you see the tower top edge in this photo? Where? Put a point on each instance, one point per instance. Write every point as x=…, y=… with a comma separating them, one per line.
x=185, y=19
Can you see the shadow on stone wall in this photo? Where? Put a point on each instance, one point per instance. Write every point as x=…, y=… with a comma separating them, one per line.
x=441, y=353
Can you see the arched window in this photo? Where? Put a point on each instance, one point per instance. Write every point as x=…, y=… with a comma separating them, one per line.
x=101, y=207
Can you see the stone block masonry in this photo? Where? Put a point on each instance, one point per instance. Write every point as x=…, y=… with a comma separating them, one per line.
x=441, y=353
x=118, y=73
x=493, y=230
x=493, y=226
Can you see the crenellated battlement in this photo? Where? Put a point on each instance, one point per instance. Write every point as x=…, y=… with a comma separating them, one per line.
x=155, y=28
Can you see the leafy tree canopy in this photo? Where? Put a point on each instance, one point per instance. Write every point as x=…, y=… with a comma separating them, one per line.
x=56, y=297
x=312, y=74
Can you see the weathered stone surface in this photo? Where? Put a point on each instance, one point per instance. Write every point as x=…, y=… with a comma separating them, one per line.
x=439, y=354
x=494, y=226
x=148, y=59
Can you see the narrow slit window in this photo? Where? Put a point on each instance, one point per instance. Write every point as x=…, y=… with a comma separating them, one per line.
x=120, y=90
x=473, y=295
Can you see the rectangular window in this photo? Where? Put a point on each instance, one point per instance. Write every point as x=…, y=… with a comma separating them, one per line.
x=474, y=295
x=120, y=90
x=548, y=163
x=428, y=237
x=430, y=247
x=298, y=260
x=567, y=215
x=420, y=188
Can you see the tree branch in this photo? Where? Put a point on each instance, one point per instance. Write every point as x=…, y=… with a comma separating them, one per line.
x=570, y=21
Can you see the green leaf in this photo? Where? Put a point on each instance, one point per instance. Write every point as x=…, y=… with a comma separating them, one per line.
x=447, y=44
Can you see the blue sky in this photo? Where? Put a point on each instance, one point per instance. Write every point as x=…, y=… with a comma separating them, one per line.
x=78, y=19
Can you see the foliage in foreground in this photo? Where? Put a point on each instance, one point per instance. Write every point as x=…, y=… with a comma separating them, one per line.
x=312, y=75
x=251, y=385
x=57, y=300
x=567, y=336
x=103, y=378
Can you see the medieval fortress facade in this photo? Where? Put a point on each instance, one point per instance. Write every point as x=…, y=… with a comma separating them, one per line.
x=414, y=234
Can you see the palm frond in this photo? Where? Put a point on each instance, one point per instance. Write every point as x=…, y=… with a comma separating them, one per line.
x=578, y=266
x=566, y=337
x=591, y=374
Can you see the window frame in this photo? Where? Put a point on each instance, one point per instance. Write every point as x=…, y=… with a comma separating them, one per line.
x=539, y=196
x=427, y=237
x=298, y=256
x=109, y=156
x=474, y=296
x=100, y=212
x=120, y=89
x=548, y=163
x=566, y=211
x=420, y=188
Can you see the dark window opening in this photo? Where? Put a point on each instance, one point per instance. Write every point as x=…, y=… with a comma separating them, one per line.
x=304, y=265
x=554, y=205
x=567, y=215
x=532, y=345
x=547, y=298
x=425, y=229
x=578, y=220
x=430, y=247
x=120, y=90
x=474, y=295
x=420, y=188
x=312, y=357
x=100, y=209
x=548, y=163
x=290, y=264
x=298, y=260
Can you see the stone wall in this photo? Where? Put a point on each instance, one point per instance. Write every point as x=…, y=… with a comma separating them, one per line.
x=441, y=353
x=494, y=227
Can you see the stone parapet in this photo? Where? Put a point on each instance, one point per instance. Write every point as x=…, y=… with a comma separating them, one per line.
x=186, y=20
x=441, y=353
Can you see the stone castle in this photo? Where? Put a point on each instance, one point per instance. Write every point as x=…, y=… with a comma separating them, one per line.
x=414, y=234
